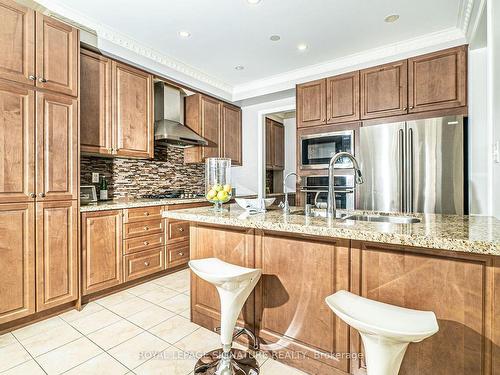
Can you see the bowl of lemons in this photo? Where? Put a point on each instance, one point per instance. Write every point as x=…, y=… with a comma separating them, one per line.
x=218, y=189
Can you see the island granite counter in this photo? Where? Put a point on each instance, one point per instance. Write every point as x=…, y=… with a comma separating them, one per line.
x=446, y=264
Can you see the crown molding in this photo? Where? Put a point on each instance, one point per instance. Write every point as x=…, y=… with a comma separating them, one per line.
x=464, y=15
x=423, y=44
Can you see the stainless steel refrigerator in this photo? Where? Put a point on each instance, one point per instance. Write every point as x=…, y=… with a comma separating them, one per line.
x=414, y=166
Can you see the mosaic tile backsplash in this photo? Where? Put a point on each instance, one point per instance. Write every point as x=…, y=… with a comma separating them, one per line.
x=135, y=178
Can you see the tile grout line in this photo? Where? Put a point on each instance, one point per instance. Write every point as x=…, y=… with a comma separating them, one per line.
x=34, y=359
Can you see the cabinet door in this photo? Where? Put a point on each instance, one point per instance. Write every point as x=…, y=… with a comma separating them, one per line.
x=384, y=90
x=95, y=103
x=17, y=261
x=438, y=80
x=210, y=126
x=56, y=55
x=279, y=145
x=17, y=138
x=56, y=147
x=231, y=133
x=17, y=37
x=132, y=112
x=56, y=253
x=311, y=103
x=342, y=98
x=269, y=144
x=290, y=303
x=101, y=250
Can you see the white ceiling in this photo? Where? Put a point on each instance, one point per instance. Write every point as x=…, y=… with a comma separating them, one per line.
x=227, y=33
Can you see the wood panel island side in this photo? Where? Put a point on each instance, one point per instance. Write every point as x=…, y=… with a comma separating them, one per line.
x=447, y=264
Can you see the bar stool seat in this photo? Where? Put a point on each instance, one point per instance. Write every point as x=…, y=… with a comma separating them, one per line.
x=386, y=330
x=234, y=284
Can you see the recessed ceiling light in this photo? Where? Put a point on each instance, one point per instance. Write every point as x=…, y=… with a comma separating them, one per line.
x=302, y=47
x=184, y=34
x=253, y=2
x=275, y=38
x=239, y=67
x=391, y=18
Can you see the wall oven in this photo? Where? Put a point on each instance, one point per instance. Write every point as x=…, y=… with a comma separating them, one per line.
x=315, y=189
x=316, y=150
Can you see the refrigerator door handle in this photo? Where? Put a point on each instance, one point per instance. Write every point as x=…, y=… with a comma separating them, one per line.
x=410, y=180
x=401, y=182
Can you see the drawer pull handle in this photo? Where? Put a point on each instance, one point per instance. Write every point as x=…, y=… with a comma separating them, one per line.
x=146, y=228
x=181, y=229
x=181, y=253
x=146, y=213
x=146, y=264
x=146, y=243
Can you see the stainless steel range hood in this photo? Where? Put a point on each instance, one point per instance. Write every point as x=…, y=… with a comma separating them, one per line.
x=169, y=118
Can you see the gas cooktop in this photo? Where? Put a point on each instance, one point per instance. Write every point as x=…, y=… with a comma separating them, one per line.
x=180, y=194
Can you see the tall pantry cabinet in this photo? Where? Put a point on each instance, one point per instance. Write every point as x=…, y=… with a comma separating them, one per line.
x=38, y=162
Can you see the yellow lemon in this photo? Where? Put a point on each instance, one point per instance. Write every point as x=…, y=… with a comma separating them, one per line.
x=227, y=188
x=211, y=194
x=218, y=187
x=222, y=196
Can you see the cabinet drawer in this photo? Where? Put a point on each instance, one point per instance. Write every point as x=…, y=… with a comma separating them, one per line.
x=143, y=228
x=134, y=245
x=132, y=215
x=178, y=254
x=177, y=230
x=143, y=263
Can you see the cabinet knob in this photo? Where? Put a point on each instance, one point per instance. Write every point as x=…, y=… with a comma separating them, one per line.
x=146, y=243
x=404, y=109
x=42, y=80
x=146, y=264
x=411, y=107
x=32, y=78
x=181, y=253
x=181, y=229
x=32, y=195
x=41, y=195
x=146, y=228
x=146, y=213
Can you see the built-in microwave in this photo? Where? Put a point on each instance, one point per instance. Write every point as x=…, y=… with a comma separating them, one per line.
x=315, y=189
x=316, y=150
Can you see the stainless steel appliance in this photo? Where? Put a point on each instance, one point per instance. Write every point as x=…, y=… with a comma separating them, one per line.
x=316, y=150
x=414, y=166
x=315, y=189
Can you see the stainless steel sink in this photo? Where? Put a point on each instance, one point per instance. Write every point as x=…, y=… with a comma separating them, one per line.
x=384, y=219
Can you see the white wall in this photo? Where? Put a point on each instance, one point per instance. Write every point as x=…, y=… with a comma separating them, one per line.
x=290, y=154
x=479, y=135
x=249, y=178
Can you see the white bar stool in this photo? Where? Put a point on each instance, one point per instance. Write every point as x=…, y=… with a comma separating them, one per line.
x=234, y=284
x=386, y=330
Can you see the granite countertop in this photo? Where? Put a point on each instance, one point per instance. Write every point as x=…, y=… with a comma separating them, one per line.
x=469, y=234
x=118, y=204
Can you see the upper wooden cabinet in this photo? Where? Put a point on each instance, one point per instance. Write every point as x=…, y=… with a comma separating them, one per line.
x=384, y=90
x=101, y=250
x=342, y=98
x=17, y=138
x=56, y=253
x=95, y=103
x=275, y=145
x=311, y=103
x=57, y=147
x=219, y=123
x=438, y=80
x=132, y=111
x=57, y=49
x=231, y=133
x=17, y=42
x=17, y=279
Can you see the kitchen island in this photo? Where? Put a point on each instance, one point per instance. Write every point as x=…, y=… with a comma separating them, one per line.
x=447, y=264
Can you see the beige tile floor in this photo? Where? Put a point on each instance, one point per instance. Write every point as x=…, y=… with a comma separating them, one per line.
x=144, y=330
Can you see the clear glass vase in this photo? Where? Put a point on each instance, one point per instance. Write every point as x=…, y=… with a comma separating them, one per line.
x=218, y=189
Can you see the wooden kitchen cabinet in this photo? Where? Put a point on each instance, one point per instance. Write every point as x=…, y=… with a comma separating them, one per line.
x=57, y=147
x=231, y=133
x=342, y=98
x=438, y=80
x=57, y=54
x=95, y=104
x=384, y=90
x=17, y=129
x=101, y=250
x=17, y=278
x=17, y=42
x=275, y=145
x=143, y=263
x=311, y=103
x=132, y=111
x=56, y=253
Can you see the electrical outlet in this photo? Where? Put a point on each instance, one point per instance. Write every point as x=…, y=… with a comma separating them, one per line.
x=496, y=152
x=95, y=177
